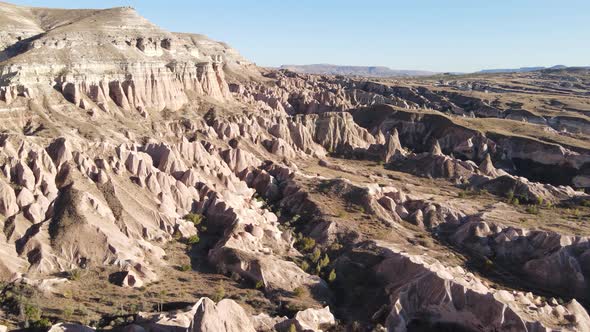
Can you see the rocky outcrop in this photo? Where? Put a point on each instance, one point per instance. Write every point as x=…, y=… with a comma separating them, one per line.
x=393, y=147
x=8, y=200
x=68, y=327
x=146, y=68
x=227, y=315
x=539, y=255
x=518, y=154
x=457, y=298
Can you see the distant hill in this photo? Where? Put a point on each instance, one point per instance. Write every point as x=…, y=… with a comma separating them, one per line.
x=519, y=70
x=370, y=71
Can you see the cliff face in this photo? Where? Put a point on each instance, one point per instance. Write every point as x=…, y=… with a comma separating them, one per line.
x=113, y=56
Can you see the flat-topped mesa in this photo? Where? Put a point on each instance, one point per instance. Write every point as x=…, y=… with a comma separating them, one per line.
x=111, y=57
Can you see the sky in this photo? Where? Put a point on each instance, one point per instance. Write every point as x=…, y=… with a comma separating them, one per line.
x=435, y=35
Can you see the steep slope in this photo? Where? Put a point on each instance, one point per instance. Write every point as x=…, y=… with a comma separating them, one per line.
x=97, y=58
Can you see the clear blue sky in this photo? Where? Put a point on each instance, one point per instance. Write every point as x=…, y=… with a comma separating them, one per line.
x=439, y=35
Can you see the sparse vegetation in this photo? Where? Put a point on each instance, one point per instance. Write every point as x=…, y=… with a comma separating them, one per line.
x=67, y=313
x=305, y=243
x=74, y=274
x=195, y=218
x=219, y=294
x=304, y=265
x=184, y=267
x=299, y=291
x=469, y=192
x=532, y=209
x=193, y=239
x=332, y=276
x=32, y=312
x=510, y=196
x=488, y=264
x=316, y=255
x=324, y=261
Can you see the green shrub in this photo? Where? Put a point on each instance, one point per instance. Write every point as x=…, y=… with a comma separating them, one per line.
x=67, y=312
x=332, y=276
x=316, y=255
x=306, y=243
x=194, y=239
x=219, y=294
x=324, y=262
x=74, y=274
x=292, y=328
x=532, y=209
x=184, y=267
x=510, y=195
x=32, y=312
x=195, y=218
x=335, y=246
x=42, y=323
x=304, y=266
x=575, y=212
x=260, y=284
x=299, y=291
x=317, y=269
